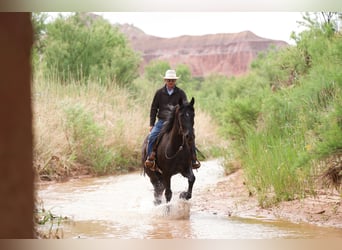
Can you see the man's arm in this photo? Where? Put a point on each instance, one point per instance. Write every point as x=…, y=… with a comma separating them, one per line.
x=154, y=110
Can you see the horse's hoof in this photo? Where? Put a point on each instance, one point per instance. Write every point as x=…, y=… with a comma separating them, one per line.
x=185, y=195
x=157, y=202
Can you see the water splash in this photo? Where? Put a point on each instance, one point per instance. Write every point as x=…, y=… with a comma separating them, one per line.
x=175, y=210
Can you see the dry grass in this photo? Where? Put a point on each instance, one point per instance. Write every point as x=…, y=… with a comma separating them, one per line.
x=123, y=119
x=208, y=140
x=332, y=175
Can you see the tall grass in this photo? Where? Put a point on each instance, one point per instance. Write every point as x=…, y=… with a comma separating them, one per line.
x=273, y=169
x=284, y=118
x=98, y=127
x=93, y=125
x=298, y=126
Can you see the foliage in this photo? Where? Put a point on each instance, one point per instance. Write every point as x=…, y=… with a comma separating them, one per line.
x=47, y=224
x=282, y=67
x=184, y=73
x=86, y=140
x=82, y=47
x=155, y=70
x=285, y=114
x=39, y=23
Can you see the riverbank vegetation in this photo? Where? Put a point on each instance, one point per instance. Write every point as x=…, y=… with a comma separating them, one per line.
x=282, y=121
x=284, y=117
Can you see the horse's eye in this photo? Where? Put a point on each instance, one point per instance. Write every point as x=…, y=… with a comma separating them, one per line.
x=187, y=114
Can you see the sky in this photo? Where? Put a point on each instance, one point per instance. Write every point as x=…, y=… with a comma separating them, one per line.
x=272, y=25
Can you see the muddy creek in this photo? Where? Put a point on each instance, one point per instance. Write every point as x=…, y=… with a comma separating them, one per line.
x=121, y=207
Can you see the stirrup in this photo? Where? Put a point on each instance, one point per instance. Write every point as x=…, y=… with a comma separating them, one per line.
x=150, y=164
x=196, y=164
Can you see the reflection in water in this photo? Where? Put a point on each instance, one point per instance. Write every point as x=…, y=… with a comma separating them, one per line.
x=122, y=207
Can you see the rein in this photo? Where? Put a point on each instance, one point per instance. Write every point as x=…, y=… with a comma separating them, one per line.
x=179, y=149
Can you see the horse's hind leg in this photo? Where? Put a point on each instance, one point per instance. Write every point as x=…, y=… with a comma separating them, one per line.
x=168, y=192
x=191, y=180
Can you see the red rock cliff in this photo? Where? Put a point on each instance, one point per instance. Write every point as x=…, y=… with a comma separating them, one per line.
x=227, y=54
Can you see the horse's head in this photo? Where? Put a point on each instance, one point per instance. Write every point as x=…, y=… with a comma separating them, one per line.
x=186, y=115
x=181, y=120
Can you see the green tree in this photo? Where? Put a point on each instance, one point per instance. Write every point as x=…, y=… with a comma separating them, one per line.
x=85, y=47
x=39, y=24
x=184, y=72
x=39, y=28
x=155, y=70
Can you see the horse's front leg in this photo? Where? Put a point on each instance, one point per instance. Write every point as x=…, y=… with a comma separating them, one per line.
x=168, y=192
x=157, y=185
x=158, y=191
x=191, y=180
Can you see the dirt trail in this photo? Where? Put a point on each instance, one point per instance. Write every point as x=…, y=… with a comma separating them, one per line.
x=231, y=197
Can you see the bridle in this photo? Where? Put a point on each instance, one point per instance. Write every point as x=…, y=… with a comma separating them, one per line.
x=181, y=147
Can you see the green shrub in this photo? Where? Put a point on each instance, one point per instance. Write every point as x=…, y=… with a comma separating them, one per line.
x=86, y=140
x=284, y=115
x=82, y=47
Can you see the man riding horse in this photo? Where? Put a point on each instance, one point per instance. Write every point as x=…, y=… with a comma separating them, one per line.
x=168, y=95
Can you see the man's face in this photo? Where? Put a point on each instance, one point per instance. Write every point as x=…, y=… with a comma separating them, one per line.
x=170, y=83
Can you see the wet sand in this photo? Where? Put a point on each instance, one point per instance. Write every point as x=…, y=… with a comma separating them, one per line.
x=231, y=197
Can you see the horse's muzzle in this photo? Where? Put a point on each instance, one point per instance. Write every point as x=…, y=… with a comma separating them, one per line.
x=189, y=137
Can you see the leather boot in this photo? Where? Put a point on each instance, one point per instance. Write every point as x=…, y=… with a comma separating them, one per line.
x=195, y=163
x=150, y=161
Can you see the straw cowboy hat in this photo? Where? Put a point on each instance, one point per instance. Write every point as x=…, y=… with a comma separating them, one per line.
x=170, y=74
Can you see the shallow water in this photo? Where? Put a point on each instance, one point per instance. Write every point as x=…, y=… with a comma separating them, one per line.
x=122, y=207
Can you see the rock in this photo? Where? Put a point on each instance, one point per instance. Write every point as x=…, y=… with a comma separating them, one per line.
x=228, y=54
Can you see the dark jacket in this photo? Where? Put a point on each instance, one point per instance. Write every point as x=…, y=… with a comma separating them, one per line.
x=161, y=100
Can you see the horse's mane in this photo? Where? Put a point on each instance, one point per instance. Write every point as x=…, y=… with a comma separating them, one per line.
x=170, y=118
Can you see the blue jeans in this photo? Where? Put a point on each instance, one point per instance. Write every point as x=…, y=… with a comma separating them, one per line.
x=153, y=135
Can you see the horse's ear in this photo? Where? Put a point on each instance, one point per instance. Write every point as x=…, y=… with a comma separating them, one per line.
x=192, y=101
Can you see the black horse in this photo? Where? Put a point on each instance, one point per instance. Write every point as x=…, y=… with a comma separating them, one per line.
x=174, y=150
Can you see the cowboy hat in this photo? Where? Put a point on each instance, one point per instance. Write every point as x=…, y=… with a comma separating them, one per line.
x=170, y=74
